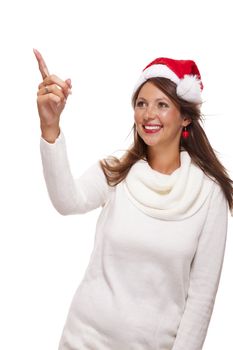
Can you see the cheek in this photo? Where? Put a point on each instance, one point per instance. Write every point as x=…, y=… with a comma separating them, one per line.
x=170, y=118
x=138, y=121
x=166, y=115
x=137, y=117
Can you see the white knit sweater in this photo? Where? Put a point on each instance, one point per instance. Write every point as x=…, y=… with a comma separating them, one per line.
x=154, y=271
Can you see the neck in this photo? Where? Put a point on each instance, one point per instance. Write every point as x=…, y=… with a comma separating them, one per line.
x=165, y=161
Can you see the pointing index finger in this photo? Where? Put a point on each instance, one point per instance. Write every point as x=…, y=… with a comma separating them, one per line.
x=42, y=65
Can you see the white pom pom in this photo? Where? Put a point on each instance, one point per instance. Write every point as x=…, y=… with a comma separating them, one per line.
x=189, y=89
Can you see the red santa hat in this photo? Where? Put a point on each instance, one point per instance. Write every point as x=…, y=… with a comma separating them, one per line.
x=184, y=73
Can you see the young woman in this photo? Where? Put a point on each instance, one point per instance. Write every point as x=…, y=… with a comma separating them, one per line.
x=160, y=238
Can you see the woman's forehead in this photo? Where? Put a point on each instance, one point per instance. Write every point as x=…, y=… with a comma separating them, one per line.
x=151, y=91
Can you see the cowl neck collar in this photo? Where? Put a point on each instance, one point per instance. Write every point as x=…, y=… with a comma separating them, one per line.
x=169, y=197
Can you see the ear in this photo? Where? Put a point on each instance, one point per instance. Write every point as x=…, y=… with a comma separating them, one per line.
x=186, y=121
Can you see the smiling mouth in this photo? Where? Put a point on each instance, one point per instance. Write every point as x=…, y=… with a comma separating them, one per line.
x=151, y=129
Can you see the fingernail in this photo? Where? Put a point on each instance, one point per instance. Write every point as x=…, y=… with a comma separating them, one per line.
x=68, y=81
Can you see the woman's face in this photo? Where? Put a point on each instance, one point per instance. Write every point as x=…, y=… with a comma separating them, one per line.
x=153, y=107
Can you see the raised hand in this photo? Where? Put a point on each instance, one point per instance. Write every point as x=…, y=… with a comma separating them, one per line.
x=51, y=99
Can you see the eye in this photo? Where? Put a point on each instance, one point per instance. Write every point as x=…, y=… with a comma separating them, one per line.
x=162, y=104
x=140, y=104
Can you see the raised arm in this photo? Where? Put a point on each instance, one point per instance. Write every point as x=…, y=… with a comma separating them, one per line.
x=204, y=276
x=70, y=195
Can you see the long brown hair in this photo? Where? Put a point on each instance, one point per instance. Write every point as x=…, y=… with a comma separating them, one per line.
x=197, y=145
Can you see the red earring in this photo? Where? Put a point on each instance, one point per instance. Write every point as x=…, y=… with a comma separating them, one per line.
x=185, y=133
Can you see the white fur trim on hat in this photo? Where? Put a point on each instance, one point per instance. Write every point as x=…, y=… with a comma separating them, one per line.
x=158, y=70
x=188, y=88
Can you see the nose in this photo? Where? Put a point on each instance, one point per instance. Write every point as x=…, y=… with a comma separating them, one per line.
x=150, y=112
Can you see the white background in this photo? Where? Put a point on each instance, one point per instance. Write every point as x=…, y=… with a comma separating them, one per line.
x=102, y=46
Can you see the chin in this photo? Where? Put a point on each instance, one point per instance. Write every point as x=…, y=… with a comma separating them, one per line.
x=151, y=143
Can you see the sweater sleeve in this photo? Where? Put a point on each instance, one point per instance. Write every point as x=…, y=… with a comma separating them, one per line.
x=69, y=195
x=204, y=276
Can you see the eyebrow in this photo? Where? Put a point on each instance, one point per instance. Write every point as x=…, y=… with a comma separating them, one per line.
x=157, y=99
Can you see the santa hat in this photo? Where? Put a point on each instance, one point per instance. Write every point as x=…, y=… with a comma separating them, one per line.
x=182, y=72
